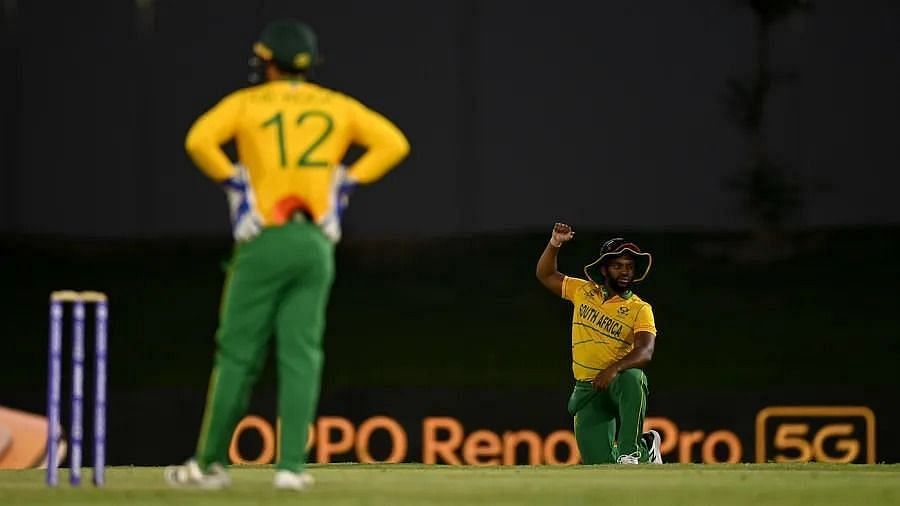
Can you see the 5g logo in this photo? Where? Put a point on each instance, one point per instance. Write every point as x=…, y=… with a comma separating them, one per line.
x=822, y=433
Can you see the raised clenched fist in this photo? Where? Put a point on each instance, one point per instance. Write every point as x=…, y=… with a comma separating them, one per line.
x=561, y=233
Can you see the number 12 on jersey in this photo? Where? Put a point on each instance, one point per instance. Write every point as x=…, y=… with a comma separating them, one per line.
x=307, y=159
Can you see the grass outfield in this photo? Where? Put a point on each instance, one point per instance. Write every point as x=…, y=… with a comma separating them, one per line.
x=356, y=484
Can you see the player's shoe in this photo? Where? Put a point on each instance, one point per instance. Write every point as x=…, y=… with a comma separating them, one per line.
x=631, y=458
x=287, y=480
x=189, y=475
x=653, y=440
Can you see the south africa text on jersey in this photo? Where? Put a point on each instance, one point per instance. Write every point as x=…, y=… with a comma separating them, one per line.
x=603, y=322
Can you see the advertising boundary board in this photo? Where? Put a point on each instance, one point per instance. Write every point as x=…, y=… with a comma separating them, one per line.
x=497, y=427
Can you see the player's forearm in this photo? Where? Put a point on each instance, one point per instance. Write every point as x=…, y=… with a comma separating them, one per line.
x=636, y=358
x=546, y=270
x=380, y=159
x=207, y=135
x=209, y=157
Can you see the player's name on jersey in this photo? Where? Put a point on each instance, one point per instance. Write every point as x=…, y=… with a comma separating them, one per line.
x=290, y=97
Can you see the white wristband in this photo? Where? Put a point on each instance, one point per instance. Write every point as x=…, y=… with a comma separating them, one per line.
x=555, y=245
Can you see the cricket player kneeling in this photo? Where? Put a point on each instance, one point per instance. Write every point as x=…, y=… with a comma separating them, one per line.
x=613, y=336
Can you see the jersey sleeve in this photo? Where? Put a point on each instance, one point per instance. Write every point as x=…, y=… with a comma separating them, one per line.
x=385, y=144
x=207, y=135
x=570, y=287
x=644, y=321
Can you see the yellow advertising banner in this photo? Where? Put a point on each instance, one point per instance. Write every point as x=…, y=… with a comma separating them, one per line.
x=783, y=434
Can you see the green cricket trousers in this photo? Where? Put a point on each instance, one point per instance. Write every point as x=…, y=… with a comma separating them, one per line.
x=609, y=423
x=277, y=287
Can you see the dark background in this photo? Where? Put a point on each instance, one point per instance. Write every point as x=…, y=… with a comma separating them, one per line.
x=610, y=116
x=519, y=113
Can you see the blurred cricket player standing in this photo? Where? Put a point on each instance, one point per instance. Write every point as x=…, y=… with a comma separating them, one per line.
x=613, y=335
x=286, y=196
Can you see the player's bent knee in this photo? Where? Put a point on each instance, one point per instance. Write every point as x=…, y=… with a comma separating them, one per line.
x=631, y=377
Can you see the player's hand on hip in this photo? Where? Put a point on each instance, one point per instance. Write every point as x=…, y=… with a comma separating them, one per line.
x=562, y=233
x=345, y=189
x=342, y=186
x=245, y=222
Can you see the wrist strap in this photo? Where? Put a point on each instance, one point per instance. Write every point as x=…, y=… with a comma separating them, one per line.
x=555, y=245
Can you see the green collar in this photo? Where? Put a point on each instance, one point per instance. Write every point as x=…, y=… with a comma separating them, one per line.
x=296, y=78
x=606, y=296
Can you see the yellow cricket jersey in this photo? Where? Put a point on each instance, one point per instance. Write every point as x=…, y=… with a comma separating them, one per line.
x=603, y=331
x=291, y=136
